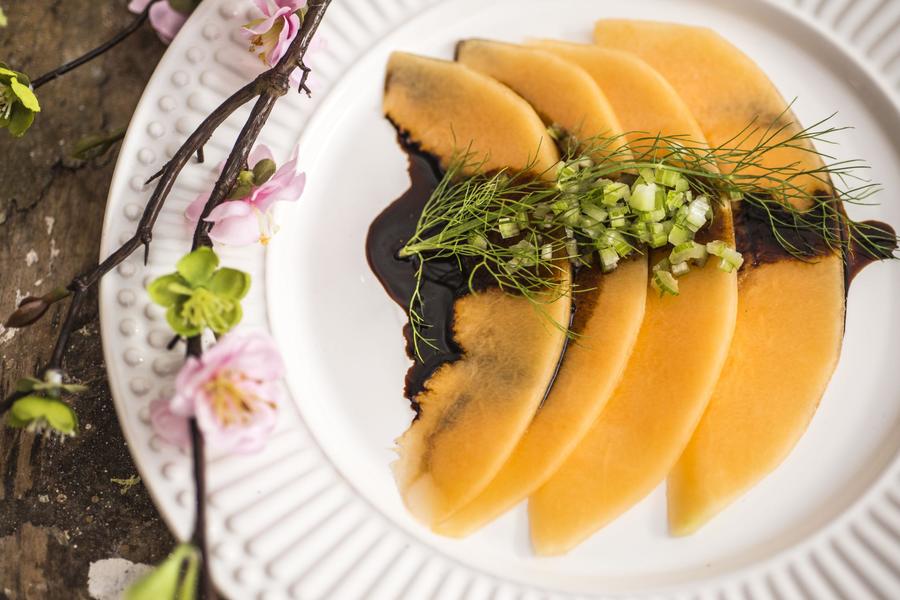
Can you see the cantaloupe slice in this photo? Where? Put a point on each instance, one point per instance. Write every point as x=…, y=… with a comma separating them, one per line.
x=608, y=313
x=790, y=315
x=559, y=91
x=651, y=415
x=474, y=410
x=449, y=109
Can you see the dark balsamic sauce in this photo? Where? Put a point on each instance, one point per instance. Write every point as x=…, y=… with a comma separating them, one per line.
x=754, y=237
x=443, y=283
x=858, y=258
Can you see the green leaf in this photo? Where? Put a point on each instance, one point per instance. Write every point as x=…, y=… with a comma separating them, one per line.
x=179, y=324
x=25, y=95
x=3, y=20
x=20, y=120
x=96, y=145
x=227, y=319
x=162, y=582
x=28, y=384
x=263, y=171
x=160, y=289
x=188, y=588
x=185, y=7
x=198, y=266
x=229, y=283
x=74, y=388
x=56, y=414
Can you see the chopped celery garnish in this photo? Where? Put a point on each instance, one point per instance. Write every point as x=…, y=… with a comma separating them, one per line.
x=508, y=228
x=643, y=197
x=679, y=269
x=665, y=283
x=667, y=177
x=687, y=251
x=609, y=259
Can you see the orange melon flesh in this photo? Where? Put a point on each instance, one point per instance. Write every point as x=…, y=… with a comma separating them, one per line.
x=540, y=77
x=607, y=321
x=451, y=110
x=790, y=316
x=474, y=410
x=652, y=413
x=609, y=312
x=636, y=103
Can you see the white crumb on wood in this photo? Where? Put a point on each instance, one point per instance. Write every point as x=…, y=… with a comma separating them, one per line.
x=20, y=296
x=49, y=221
x=108, y=578
x=6, y=335
x=54, y=251
x=31, y=257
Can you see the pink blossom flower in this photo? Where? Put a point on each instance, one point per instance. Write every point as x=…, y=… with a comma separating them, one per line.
x=248, y=220
x=165, y=20
x=270, y=36
x=233, y=392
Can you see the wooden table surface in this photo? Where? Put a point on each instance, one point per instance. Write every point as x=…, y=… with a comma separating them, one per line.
x=60, y=511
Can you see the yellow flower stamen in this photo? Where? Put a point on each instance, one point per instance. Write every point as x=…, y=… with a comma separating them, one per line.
x=231, y=403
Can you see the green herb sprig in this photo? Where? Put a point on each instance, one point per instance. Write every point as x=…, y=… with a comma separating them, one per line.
x=514, y=227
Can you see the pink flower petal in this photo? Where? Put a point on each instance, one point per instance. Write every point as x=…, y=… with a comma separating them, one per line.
x=138, y=6
x=166, y=21
x=169, y=426
x=266, y=24
x=259, y=153
x=243, y=439
x=232, y=208
x=236, y=231
x=195, y=208
x=285, y=37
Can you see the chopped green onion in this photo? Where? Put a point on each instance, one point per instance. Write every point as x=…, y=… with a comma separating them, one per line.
x=662, y=265
x=682, y=185
x=508, y=228
x=648, y=175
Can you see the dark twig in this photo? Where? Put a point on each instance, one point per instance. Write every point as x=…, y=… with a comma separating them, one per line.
x=92, y=54
x=268, y=87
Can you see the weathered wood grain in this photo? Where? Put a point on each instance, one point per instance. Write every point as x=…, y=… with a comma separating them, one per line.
x=59, y=509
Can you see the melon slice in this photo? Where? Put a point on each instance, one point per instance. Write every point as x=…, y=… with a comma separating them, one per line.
x=474, y=410
x=451, y=110
x=791, y=313
x=608, y=314
x=652, y=413
x=540, y=77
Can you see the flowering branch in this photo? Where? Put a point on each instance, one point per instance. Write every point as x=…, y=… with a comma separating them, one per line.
x=267, y=88
x=92, y=54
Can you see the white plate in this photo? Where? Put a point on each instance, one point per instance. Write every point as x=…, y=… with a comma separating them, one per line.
x=317, y=515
